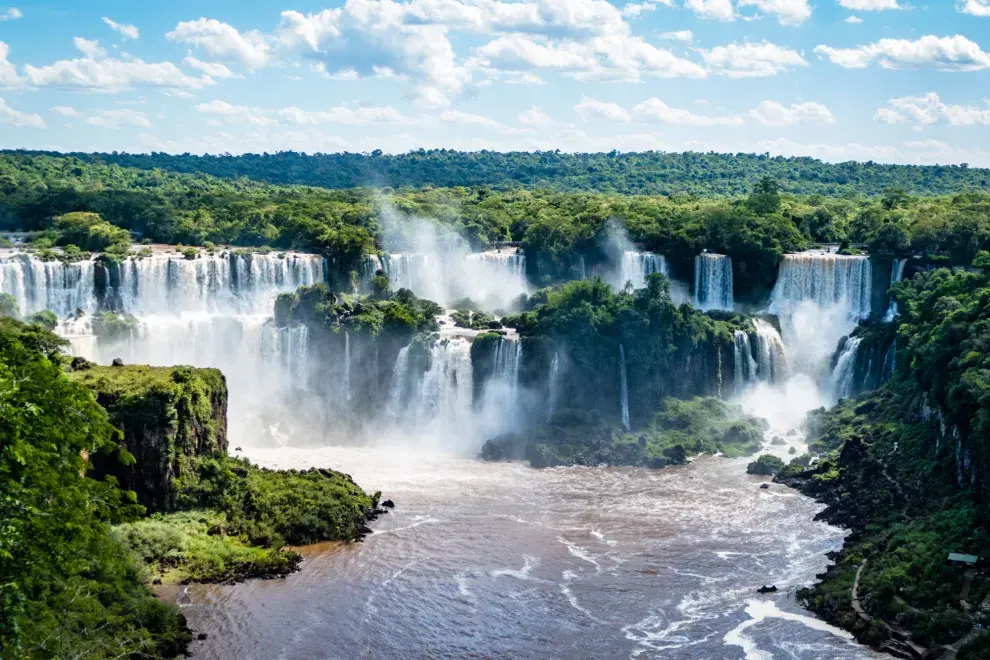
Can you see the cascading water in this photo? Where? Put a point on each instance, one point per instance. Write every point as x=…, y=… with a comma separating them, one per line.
x=347, y=366
x=494, y=278
x=398, y=389
x=212, y=311
x=636, y=266
x=771, y=359
x=38, y=285
x=819, y=298
x=442, y=407
x=713, y=281
x=623, y=388
x=843, y=377
x=744, y=366
x=553, y=385
x=896, y=275
x=499, y=407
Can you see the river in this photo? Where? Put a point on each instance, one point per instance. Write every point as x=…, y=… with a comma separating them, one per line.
x=498, y=560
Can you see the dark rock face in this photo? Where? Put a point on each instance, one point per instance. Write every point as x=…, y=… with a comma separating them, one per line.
x=117, y=362
x=166, y=416
x=767, y=590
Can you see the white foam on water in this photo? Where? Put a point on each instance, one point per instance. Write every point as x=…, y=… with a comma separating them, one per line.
x=761, y=610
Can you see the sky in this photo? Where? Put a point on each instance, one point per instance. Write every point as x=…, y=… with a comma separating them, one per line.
x=900, y=81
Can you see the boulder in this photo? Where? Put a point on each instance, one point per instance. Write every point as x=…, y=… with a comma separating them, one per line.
x=117, y=362
x=388, y=504
x=767, y=590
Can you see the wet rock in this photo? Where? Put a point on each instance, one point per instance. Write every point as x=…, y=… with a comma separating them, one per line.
x=364, y=530
x=117, y=362
x=777, y=441
x=388, y=504
x=238, y=449
x=792, y=450
x=791, y=433
x=201, y=636
x=764, y=486
x=81, y=364
x=767, y=590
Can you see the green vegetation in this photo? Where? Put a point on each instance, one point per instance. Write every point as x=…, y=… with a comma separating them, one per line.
x=630, y=173
x=766, y=465
x=679, y=429
x=906, y=467
x=67, y=587
x=8, y=307
x=46, y=319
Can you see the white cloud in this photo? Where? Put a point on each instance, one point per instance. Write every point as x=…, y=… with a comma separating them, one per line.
x=65, y=111
x=212, y=69
x=637, y=9
x=772, y=113
x=888, y=116
x=457, y=117
x=974, y=7
x=679, y=35
x=354, y=116
x=8, y=74
x=929, y=109
x=650, y=110
x=89, y=48
x=534, y=117
x=720, y=10
x=11, y=117
x=870, y=5
x=12, y=14
x=956, y=53
x=751, y=60
x=656, y=110
x=100, y=73
x=126, y=31
x=590, y=109
x=788, y=12
x=855, y=20
x=431, y=97
x=119, y=118
x=224, y=42
x=236, y=113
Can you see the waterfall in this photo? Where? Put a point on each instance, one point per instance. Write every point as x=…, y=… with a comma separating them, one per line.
x=843, y=380
x=494, y=278
x=553, y=385
x=397, y=391
x=39, y=285
x=771, y=359
x=713, y=281
x=347, y=366
x=744, y=366
x=636, y=266
x=623, y=388
x=819, y=298
x=499, y=405
x=443, y=406
x=896, y=275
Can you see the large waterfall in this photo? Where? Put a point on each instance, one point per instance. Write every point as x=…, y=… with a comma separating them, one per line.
x=211, y=311
x=760, y=358
x=494, y=278
x=713, y=281
x=819, y=298
x=635, y=267
x=842, y=382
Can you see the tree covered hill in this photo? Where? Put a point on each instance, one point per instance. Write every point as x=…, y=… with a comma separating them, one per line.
x=650, y=172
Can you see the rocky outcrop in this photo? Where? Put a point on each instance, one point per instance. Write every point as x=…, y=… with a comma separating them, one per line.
x=166, y=417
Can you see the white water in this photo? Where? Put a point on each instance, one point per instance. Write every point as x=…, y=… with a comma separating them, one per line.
x=771, y=358
x=713, y=281
x=500, y=404
x=744, y=366
x=39, y=285
x=623, y=388
x=635, y=267
x=493, y=279
x=896, y=275
x=843, y=376
x=553, y=386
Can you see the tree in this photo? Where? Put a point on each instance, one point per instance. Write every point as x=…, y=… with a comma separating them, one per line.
x=765, y=198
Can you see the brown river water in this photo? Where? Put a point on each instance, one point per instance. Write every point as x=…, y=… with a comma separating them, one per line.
x=485, y=560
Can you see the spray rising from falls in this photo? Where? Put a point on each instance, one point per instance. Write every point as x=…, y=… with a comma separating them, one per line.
x=713, y=281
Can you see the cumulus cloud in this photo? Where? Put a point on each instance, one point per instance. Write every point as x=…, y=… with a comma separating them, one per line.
x=637, y=9
x=788, y=12
x=771, y=113
x=349, y=115
x=751, y=60
x=11, y=117
x=720, y=10
x=126, y=31
x=90, y=49
x=869, y=5
x=119, y=118
x=236, y=113
x=650, y=110
x=212, y=69
x=975, y=7
x=855, y=20
x=956, y=53
x=929, y=109
x=95, y=71
x=468, y=119
x=223, y=42
x=11, y=14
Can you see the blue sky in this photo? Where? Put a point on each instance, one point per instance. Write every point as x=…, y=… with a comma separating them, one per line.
x=889, y=80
